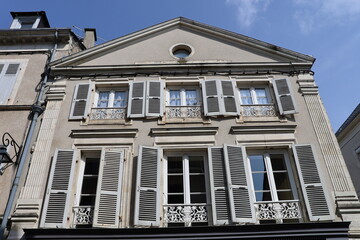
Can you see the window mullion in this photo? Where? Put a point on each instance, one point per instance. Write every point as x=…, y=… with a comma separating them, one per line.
x=111, y=99
x=271, y=178
x=186, y=179
x=182, y=97
x=253, y=95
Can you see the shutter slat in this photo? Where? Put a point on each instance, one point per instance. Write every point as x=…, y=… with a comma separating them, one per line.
x=147, y=209
x=80, y=101
x=136, y=106
x=60, y=182
x=284, y=96
x=241, y=202
x=12, y=69
x=220, y=203
x=108, y=194
x=317, y=202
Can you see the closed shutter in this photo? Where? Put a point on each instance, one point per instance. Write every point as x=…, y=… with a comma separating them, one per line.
x=219, y=194
x=316, y=200
x=154, y=100
x=57, y=199
x=108, y=195
x=229, y=97
x=211, y=98
x=136, y=107
x=7, y=80
x=147, y=198
x=241, y=202
x=284, y=97
x=80, y=101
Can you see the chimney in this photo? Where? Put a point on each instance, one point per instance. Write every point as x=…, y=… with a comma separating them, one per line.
x=90, y=37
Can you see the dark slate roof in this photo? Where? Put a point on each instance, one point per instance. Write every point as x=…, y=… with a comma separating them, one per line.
x=352, y=116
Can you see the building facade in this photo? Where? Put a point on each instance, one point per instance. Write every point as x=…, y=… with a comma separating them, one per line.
x=348, y=136
x=26, y=48
x=186, y=125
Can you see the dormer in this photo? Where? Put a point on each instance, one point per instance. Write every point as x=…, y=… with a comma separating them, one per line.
x=29, y=20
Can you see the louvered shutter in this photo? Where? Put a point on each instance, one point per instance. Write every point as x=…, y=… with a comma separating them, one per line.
x=136, y=106
x=108, y=194
x=240, y=198
x=57, y=199
x=229, y=98
x=219, y=194
x=147, y=199
x=7, y=81
x=211, y=98
x=80, y=101
x=284, y=96
x=154, y=99
x=317, y=203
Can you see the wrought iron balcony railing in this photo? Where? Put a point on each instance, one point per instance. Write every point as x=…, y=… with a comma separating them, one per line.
x=263, y=110
x=187, y=214
x=107, y=113
x=83, y=215
x=278, y=211
x=183, y=112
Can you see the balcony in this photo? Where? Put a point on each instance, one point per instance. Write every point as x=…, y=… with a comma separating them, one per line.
x=83, y=215
x=107, y=113
x=187, y=214
x=277, y=211
x=258, y=110
x=185, y=112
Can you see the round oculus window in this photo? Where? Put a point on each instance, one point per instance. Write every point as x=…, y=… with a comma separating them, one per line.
x=181, y=51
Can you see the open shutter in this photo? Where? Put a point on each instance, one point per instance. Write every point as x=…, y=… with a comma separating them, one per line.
x=80, y=101
x=211, y=98
x=284, y=97
x=136, y=107
x=108, y=195
x=147, y=199
x=230, y=99
x=7, y=81
x=154, y=99
x=316, y=201
x=57, y=199
x=241, y=202
x=219, y=194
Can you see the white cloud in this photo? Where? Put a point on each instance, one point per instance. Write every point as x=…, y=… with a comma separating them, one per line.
x=248, y=10
x=318, y=13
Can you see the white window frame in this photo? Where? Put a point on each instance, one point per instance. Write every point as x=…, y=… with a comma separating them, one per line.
x=182, y=90
x=270, y=174
x=18, y=77
x=111, y=96
x=253, y=94
x=17, y=22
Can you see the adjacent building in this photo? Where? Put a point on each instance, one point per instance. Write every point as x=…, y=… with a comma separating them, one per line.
x=183, y=130
x=348, y=136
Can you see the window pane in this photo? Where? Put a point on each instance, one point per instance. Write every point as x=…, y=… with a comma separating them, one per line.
x=260, y=181
x=245, y=96
x=197, y=183
x=175, y=184
x=277, y=162
x=120, y=99
x=175, y=98
x=263, y=196
x=196, y=164
x=87, y=201
x=282, y=181
x=89, y=185
x=285, y=195
x=103, y=99
x=261, y=96
x=175, y=199
x=198, y=198
x=191, y=97
x=175, y=165
x=92, y=166
x=257, y=163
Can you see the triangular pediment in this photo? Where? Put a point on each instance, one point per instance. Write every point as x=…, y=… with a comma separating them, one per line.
x=154, y=45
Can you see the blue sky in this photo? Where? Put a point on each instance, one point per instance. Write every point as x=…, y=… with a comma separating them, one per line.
x=326, y=29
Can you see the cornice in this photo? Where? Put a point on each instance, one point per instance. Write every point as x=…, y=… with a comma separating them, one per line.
x=103, y=133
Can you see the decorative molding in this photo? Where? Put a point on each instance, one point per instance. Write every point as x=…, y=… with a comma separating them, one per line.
x=56, y=92
x=184, y=131
x=263, y=129
x=103, y=133
x=307, y=84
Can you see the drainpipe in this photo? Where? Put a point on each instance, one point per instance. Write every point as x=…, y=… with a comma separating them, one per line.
x=36, y=110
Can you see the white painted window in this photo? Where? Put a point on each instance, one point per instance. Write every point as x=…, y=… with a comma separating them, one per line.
x=183, y=96
x=254, y=95
x=111, y=99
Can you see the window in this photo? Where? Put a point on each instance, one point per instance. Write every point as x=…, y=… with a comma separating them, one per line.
x=8, y=76
x=254, y=95
x=181, y=51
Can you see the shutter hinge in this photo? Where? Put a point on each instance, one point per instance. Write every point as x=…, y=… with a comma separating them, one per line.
x=120, y=219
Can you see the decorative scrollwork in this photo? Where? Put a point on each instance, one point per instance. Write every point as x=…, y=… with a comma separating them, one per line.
x=258, y=111
x=7, y=140
x=83, y=215
x=278, y=210
x=107, y=113
x=186, y=214
x=183, y=112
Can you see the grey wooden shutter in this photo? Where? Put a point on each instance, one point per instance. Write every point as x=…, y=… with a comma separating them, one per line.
x=136, y=106
x=147, y=198
x=108, y=194
x=57, y=199
x=7, y=81
x=219, y=194
x=154, y=99
x=241, y=202
x=284, y=96
x=80, y=101
x=317, y=203
x=229, y=98
x=211, y=98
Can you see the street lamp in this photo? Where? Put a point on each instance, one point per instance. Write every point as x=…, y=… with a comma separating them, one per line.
x=5, y=159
